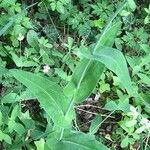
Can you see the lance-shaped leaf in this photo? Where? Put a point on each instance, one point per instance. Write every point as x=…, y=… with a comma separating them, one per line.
x=49, y=94
x=7, y=26
x=77, y=141
x=5, y=137
x=114, y=60
x=95, y=124
x=88, y=72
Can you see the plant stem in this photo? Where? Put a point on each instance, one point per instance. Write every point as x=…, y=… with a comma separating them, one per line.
x=61, y=133
x=66, y=113
x=147, y=141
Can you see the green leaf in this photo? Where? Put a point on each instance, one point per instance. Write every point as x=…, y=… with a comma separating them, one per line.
x=6, y=27
x=104, y=86
x=10, y=98
x=122, y=105
x=132, y=4
x=111, y=106
x=78, y=141
x=12, y=124
x=47, y=59
x=95, y=124
x=140, y=130
x=62, y=74
x=145, y=48
x=1, y=118
x=88, y=72
x=144, y=78
x=53, y=6
x=60, y=8
x=40, y=144
x=3, y=70
x=32, y=38
x=14, y=97
x=125, y=13
x=84, y=79
x=131, y=123
x=115, y=61
x=19, y=128
x=99, y=23
x=27, y=95
x=125, y=142
x=146, y=20
x=147, y=9
x=22, y=62
x=5, y=137
x=49, y=94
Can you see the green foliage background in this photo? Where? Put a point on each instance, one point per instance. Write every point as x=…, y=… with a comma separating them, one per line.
x=86, y=47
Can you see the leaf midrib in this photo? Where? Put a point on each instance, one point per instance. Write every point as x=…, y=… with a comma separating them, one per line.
x=102, y=35
x=77, y=144
x=108, y=57
x=98, y=56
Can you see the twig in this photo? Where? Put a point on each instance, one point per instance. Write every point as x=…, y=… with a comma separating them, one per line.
x=86, y=111
x=88, y=105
